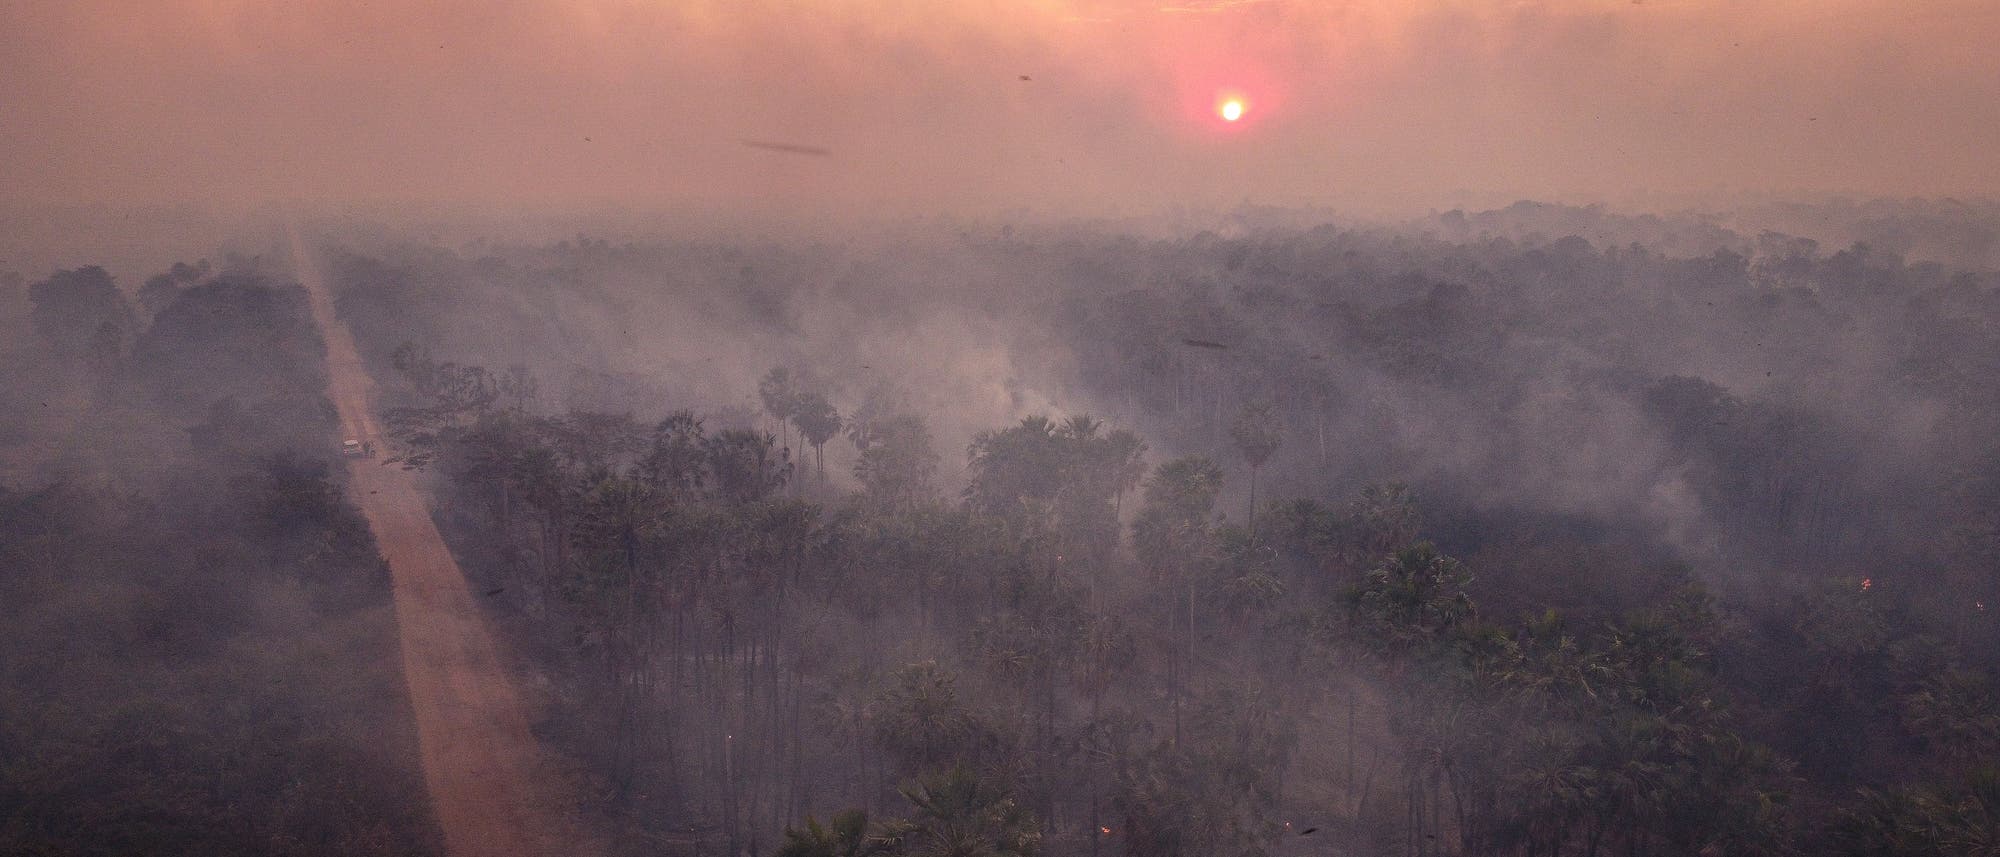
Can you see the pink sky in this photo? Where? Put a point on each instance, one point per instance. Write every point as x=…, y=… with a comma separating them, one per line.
x=1370, y=103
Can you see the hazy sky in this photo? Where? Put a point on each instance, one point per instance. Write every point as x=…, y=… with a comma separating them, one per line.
x=922, y=106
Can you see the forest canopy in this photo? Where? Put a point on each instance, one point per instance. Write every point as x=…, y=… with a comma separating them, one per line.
x=1537, y=531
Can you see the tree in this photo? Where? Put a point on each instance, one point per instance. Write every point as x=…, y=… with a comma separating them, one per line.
x=1414, y=597
x=921, y=720
x=1126, y=455
x=1172, y=527
x=897, y=461
x=230, y=432
x=1031, y=647
x=1258, y=434
x=780, y=394
x=1015, y=469
x=1055, y=478
x=161, y=290
x=818, y=423
x=233, y=335
x=1383, y=519
x=846, y=836
x=1925, y=821
x=958, y=816
x=520, y=389
x=1957, y=713
x=676, y=456
x=456, y=394
x=1211, y=793
x=1173, y=539
x=1097, y=467
x=77, y=310
x=745, y=467
x=13, y=306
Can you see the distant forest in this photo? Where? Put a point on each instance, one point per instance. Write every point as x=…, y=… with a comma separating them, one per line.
x=1542, y=531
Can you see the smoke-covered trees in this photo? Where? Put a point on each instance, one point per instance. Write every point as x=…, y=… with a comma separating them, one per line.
x=160, y=290
x=799, y=399
x=1594, y=429
x=818, y=423
x=1173, y=526
x=196, y=647
x=780, y=394
x=1258, y=435
x=81, y=313
x=956, y=815
x=744, y=465
x=1060, y=480
x=197, y=349
x=897, y=463
x=1413, y=597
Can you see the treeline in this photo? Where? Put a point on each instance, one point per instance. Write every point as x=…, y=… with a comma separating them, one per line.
x=742, y=657
x=1722, y=523
x=197, y=649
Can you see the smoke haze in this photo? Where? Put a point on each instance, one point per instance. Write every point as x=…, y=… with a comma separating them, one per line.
x=1037, y=428
x=924, y=109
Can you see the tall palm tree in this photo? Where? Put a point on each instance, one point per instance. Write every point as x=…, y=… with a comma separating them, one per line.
x=1258, y=434
x=818, y=423
x=1128, y=461
x=780, y=394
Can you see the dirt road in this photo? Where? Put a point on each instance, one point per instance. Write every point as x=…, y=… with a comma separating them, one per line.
x=485, y=771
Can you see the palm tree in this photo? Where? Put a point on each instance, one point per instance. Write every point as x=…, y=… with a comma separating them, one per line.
x=958, y=816
x=744, y=466
x=1258, y=435
x=897, y=461
x=1384, y=519
x=846, y=836
x=1957, y=713
x=1080, y=427
x=921, y=719
x=818, y=423
x=780, y=393
x=1018, y=464
x=1172, y=536
x=1415, y=596
x=1127, y=455
x=1172, y=526
x=1925, y=820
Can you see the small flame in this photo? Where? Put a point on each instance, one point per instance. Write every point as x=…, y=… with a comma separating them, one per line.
x=1867, y=582
x=1104, y=830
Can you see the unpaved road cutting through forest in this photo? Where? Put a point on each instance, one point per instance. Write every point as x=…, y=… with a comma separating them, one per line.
x=483, y=768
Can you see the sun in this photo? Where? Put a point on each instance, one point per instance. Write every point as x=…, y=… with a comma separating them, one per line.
x=1231, y=109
